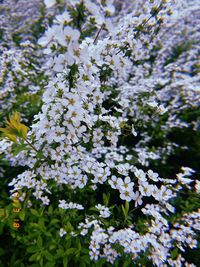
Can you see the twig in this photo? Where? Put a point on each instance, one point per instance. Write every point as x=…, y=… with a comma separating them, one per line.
x=36, y=149
x=95, y=40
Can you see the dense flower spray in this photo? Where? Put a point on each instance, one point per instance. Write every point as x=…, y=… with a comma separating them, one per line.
x=109, y=78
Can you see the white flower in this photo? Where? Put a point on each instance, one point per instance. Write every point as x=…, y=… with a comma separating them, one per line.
x=127, y=194
x=64, y=17
x=125, y=185
x=197, y=186
x=156, y=193
x=62, y=232
x=182, y=179
x=138, y=198
x=49, y=3
x=152, y=175
x=45, y=200
x=62, y=204
x=104, y=212
x=113, y=182
x=140, y=174
x=187, y=170
x=161, y=109
x=84, y=232
x=133, y=131
x=82, y=181
x=153, y=104
x=146, y=189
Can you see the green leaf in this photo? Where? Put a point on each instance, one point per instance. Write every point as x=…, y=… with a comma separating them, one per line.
x=41, y=222
x=65, y=262
x=34, y=225
x=85, y=251
x=93, y=209
x=54, y=221
x=33, y=257
x=86, y=259
x=70, y=251
x=127, y=207
x=50, y=209
x=124, y=211
x=49, y=264
x=18, y=148
x=39, y=242
x=26, y=200
x=41, y=210
x=68, y=245
x=14, y=128
x=48, y=234
x=82, y=264
x=22, y=215
x=32, y=249
x=52, y=247
x=59, y=252
x=34, y=212
x=48, y=255
x=106, y=198
x=40, y=155
x=174, y=253
x=17, y=204
x=126, y=264
x=39, y=257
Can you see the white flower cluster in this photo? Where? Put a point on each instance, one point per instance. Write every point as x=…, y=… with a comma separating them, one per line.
x=98, y=87
x=104, y=212
x=63, y=205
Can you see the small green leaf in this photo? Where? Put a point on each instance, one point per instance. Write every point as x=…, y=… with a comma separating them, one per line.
x=127, y=207
x=65, y=261
x=70, y=251
x=50, y=209
x=33, y=257
x=68, y=245
x=22, y=215
x=49, y=264
x=48, y=234
x=52, y=247
x=41, y=210
x=18, y=148
x=41, y=222
x=34, y=212
x=39, y=242
x=54, y=221
x=82, y=264
x=86, y=259
x=106, y=198
x=32, y=249
x=48, y=255
x=16, y=204
x=174, y=253
x=126, y=264
x=34, y=225
x=124, y=211
x=59, y=252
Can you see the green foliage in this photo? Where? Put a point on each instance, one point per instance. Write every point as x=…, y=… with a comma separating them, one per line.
x=79, y=15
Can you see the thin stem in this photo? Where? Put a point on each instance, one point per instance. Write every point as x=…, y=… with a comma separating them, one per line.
x=187, y=194
x=31, y=145
x=95, y=40
x=35, y=149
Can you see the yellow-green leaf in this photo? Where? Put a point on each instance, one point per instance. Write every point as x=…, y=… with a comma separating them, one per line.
x=22, y=215
x=14, y=127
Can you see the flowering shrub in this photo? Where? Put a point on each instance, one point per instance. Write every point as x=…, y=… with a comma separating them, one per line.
x=90, y=193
